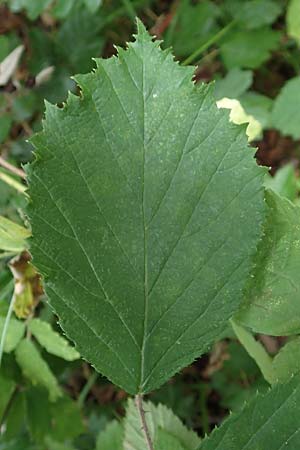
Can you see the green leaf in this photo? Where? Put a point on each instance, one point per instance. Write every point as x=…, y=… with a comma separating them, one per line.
x=37, y=413
x=253, y=14
x=256, y=350
x=15, y=332
x=34, y=7
x=195, y=24
x=81, y=27
x=284, y=182
x=111, y=437
x=293, y=20
x=269, y=422
x=286, y=113
x=12, y=236
x=157, y=417
x=272, y=297
x=143, y=274
x=5, y=126
x=234, y=84
x=249, y=49
x=35, y=368
x=66, y=419
x=7, y=387
x=53, y=342
x=164, y=441
x=93, y=5
x=287, y=361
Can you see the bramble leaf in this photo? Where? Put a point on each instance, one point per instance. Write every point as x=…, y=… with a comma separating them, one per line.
x=265, y=423
x=157, y=418
x=138, y=185
x=111, y=437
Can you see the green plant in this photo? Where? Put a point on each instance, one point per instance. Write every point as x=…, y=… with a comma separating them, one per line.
x=146, y=271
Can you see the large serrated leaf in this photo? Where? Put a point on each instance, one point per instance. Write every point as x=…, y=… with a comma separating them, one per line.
x=269, y=422
x=146, y=209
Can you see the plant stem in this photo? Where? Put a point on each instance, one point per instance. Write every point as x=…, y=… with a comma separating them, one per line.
x=5, y=328
x=86, y=389
x=208, y=43
x=140, y=408
x=11, y=168
x=12, y=182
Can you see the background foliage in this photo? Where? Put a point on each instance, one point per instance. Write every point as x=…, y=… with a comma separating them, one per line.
x=50, y=399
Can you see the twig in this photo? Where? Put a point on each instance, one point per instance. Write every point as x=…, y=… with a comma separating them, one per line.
x=11, y=168
x=86, y=389
x=140, y=408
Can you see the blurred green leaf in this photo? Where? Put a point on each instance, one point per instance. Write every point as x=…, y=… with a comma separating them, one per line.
x=15, y=332
x=37, y=413
x=35, y=368
x=284, y=182
x=195, y=24
x=286, y=111
x=293, y=20
x=7, y=387
x=249, y=49
x=253, y=14
x=53, y=342
x=5, y=126
x=234, y=84
x=12, y=236
x=287, y=361
x=111, y=437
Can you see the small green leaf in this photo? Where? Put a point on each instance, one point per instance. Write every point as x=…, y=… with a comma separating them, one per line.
x=7, y=387
x=284, y=182
x=293, y=20
x=287, y=361
x=35, y=368
x=66, y=420
x=53, y=342
x=5, y=126
x=272, y=297
x=143, y=274
x=253, y=14
x=249, y=49
x=12, y=236
x=37, y=413
x=286, y=112
x=256, y=350
x=157, y=417
x=234, y=84
x=195, y=23
x=111, y=438
x=15, y=332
